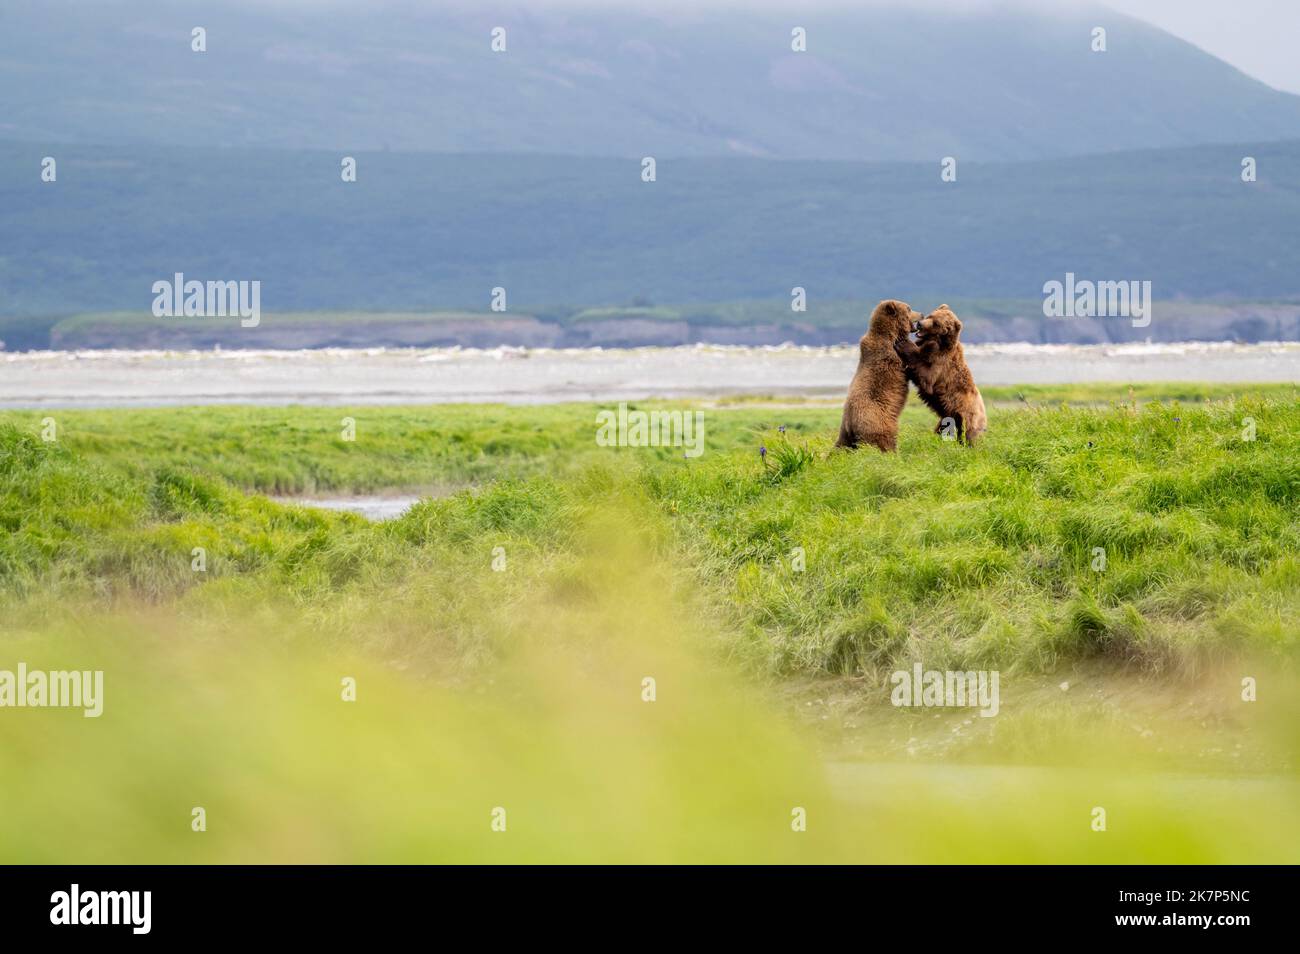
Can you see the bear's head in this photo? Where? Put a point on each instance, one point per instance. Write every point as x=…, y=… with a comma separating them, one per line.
x=940, y=325
x=892, y=320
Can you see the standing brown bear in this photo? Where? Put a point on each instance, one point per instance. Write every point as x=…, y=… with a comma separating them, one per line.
x=938, y=368
x=879, y=388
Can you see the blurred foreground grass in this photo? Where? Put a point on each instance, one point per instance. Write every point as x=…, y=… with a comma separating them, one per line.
x=245, y=718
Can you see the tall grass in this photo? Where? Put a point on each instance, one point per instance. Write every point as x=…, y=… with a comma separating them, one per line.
x=958, y=556
x=1156, y=532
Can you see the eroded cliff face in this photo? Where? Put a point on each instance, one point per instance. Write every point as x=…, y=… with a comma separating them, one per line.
x=1171, y=322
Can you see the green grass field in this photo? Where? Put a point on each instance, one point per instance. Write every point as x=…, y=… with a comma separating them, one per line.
x=755, y=592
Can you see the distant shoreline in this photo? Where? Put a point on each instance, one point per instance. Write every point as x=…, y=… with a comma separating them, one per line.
x=752, y=323
x=373, y=376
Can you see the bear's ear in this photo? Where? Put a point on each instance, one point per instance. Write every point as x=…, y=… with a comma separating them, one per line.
x=956, y=325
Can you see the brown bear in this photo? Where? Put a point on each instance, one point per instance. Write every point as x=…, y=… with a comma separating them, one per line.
x=879, y=387
x=938, y=368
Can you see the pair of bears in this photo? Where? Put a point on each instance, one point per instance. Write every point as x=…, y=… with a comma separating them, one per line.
x=888, y=359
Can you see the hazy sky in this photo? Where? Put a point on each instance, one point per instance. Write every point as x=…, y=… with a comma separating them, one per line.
x=1257, y=36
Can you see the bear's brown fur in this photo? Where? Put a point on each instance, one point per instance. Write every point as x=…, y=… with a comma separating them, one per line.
x=879, y=387
x=938, y=368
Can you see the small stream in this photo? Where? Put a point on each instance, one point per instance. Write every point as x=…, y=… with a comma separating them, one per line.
x=371, y=507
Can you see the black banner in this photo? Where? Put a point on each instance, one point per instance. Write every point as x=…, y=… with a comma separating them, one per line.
x=960, y=904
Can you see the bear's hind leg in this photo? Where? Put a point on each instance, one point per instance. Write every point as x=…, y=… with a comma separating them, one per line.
x=888, y=443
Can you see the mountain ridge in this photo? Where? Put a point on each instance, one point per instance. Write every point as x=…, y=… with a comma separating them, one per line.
x=437, y=232
x=1003, y=82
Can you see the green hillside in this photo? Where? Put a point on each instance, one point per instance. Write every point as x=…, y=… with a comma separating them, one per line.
x=726, y=239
